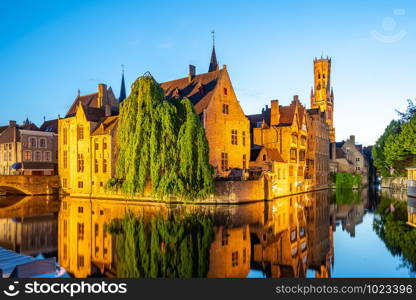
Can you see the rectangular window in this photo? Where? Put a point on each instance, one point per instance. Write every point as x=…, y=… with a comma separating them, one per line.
x=104, y=165
x=357, y=159
x=80, y=261
x=80, y=184
x=80, y=163
x=225, y=109
x=244, y=255
x=303, y=140
x=234, y=137
x=32, y=142
x=38, y=156
x=80, y=209
x=234, y=259
x=65, y=159
x=96, y=146
x=104, y=143
x=80, y=132
x=65, y=228
x=42, y=143
x=302, y=155
x=65, y=136
x=80, y=231
x=225, y=91
x=358, y=168
x=10, y=156
x=293, y=154
x=96, y=165
x=224, y=161
x=47, y=156
x=224, y=240
x=28, y=155
x=244, y=138
x=244, y=161
x=65, y=252
x=65, y=183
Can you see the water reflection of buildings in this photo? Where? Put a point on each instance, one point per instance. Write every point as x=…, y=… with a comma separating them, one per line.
x=274, y=237
x=29, y=226
x=351, y=214
x=411, y=212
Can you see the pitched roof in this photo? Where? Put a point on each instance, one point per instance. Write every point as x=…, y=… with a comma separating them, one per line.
x=274, y=155
x=50, y=126
x=340, y=153
x=106, y=125
x=199, y=90
x=3, y=128
x=90, y=100
x=254, y=152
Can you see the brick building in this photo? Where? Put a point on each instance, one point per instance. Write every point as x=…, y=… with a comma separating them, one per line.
x=27, y=149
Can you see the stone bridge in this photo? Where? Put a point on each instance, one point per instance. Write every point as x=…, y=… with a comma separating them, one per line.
x=29, y=185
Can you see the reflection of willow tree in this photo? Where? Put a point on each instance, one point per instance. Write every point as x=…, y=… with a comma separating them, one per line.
x=165, y=247
x=391, y=227
x=347, y=196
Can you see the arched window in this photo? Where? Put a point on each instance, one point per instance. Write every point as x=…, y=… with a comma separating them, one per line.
x=28, y=155
x=38, y=156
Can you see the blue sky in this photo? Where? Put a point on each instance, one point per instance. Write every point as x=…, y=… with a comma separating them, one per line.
x=50, y=49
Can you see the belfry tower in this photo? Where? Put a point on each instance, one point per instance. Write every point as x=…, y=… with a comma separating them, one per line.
x=322, y=95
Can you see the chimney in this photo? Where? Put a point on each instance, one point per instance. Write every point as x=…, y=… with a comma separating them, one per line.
x=296, y=98
x=107, y=110
x=192, y=72
x=224, y=67
x=274, y=114
x=102, y=95
x=12, y=123
x=352, y=139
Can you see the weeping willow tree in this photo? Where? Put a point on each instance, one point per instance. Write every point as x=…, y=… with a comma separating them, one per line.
x=166, y=247
x=162, y=142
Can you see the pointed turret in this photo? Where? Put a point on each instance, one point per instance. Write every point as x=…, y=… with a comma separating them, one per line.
x=122, y=88
x=213, y=64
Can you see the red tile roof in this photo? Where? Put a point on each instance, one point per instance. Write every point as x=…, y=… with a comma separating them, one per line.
x=199, y=90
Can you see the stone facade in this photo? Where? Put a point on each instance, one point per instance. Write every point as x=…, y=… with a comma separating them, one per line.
x=87, y=143
x=351, y=159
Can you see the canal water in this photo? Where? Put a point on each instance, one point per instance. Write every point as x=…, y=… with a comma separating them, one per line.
x=320, y=234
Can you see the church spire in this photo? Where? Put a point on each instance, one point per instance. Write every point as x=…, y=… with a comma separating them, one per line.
x=123, y=87
x=213, y=64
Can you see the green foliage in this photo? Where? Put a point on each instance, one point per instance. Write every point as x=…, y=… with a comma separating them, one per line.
x=165, y=247
x=162, y=142
x=396, y=148
x=347, y=181
x=391, y=227
x=347, y=196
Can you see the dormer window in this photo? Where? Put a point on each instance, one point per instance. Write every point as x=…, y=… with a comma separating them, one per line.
x=176, y=92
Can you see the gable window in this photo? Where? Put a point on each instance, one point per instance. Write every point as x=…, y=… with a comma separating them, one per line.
x=42, y=143
x=28, y=155
x=244, y=138
x=225, y=91
x=80, y=132
x=234, y=137
x=224, y=161
x=357, y=159
x=32, y=142
x=225, y=109
x=264, y=157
